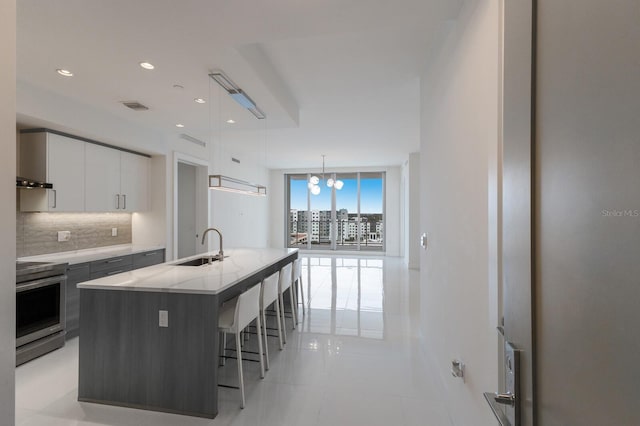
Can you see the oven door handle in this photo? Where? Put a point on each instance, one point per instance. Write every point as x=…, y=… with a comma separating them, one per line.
x=30, y=285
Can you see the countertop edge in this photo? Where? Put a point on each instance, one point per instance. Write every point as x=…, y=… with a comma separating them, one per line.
x=90, y=255
x=115, y=287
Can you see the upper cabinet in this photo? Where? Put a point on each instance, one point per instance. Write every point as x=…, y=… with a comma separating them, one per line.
x=134, y=182
x=116, y=181
x=86, y=177
x=55, y=159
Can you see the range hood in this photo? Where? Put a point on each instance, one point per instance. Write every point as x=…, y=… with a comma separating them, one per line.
x=31, y=184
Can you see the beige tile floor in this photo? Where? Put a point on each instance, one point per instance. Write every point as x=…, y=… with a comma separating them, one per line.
x=354, y=360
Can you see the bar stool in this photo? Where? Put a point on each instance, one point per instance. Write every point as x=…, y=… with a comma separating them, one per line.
x=235, y=317
x=297, y=281
x=284, y=284
x=269, y=296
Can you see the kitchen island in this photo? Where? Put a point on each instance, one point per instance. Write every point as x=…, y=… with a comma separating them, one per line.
x=149, y=337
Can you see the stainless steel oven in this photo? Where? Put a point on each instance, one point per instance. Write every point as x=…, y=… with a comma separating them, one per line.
x=40, y=308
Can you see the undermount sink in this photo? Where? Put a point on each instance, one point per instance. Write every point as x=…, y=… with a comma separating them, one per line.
x=199, y=261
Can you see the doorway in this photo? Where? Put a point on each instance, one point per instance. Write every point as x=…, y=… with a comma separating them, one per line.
x=191, y=205
x=186, y=210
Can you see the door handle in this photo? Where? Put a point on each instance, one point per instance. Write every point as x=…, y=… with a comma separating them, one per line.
x=117, y=201
x=505, y=398
x=55, y=199
x=124, y=201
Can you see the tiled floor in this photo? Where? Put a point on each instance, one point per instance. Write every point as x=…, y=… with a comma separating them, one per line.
x=354, y=360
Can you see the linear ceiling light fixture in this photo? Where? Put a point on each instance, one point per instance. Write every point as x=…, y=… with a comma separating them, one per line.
x=229, y=184
x=237, y=93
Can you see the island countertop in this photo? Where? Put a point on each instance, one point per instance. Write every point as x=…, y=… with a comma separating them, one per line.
x=207, y=279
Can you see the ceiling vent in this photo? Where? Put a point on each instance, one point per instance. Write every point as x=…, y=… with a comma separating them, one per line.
x=192, y=139
x=136, y=106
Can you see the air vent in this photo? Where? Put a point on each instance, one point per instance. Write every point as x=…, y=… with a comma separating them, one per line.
x=136, y=106
x=192, y=139
x=235, y=160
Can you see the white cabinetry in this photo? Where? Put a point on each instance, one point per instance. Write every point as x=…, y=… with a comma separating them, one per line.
x=116, y=180
x=54, y=159
x=134, y=181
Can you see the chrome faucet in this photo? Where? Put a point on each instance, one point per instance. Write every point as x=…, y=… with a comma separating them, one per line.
x=220, y=254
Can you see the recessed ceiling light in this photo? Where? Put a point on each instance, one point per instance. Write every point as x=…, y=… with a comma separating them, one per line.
x=179, y=125
x=200, y=100
x=64, y=72
x=231, y=121
x=147, y=65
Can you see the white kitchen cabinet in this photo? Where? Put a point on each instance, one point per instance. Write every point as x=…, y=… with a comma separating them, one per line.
x=116, y=181
x=56, y=159
x=134, y=181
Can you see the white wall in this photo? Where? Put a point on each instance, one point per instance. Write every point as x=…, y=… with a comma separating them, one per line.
x=459, y=132
x=393, y=203
x=244, y=220
x=7, y=210
x=412, y=213
x=150, y=227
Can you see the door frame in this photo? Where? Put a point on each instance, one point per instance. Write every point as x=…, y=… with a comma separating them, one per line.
x=202, y=196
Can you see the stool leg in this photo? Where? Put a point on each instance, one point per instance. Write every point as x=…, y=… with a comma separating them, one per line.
x=223, y=347
x=284, y=328
x=259, y=334
x=266, y=342
x=239, y=356
x=278, y=321
x=301, y=292
x=294, y=314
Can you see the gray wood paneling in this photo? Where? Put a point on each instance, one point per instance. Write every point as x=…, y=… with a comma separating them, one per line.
x=127, y=359
x=75, y=274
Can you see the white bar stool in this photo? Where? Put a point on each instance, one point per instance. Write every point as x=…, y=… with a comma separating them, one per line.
x=269, y=296
x=297, y=281
x=284, y=284
x=235, y=317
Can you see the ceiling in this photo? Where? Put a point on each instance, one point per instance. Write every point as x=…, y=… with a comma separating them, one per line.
x=334, y=77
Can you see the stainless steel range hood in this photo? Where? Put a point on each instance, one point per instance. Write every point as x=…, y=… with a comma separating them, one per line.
x=31, y=184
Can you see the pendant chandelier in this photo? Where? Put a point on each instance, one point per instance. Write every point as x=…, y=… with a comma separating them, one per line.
x=314, y=182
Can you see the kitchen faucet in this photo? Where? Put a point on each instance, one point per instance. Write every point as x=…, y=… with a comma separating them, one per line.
x=220, y=254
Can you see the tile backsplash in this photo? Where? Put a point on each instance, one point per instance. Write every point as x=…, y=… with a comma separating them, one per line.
x=37, y=233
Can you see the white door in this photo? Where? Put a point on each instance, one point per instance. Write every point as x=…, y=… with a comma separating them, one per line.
x=187, y=240
x=65, y=158
x=102, y=190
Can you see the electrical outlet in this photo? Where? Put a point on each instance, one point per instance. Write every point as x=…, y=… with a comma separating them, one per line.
x=114, y=232
x=163, y=319
x=64, y=236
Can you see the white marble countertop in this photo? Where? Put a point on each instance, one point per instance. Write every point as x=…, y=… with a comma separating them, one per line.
x=205, y=279
x=89, y=255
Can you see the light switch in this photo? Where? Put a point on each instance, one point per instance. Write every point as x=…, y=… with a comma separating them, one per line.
x=164, y=319
x=64, y=236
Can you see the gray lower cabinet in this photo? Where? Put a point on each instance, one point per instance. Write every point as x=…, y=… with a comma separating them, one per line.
x=97, y=269
x=122, y=263
x=140, y=260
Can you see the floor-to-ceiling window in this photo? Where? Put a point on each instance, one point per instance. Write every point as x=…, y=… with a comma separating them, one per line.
x=348, y=216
